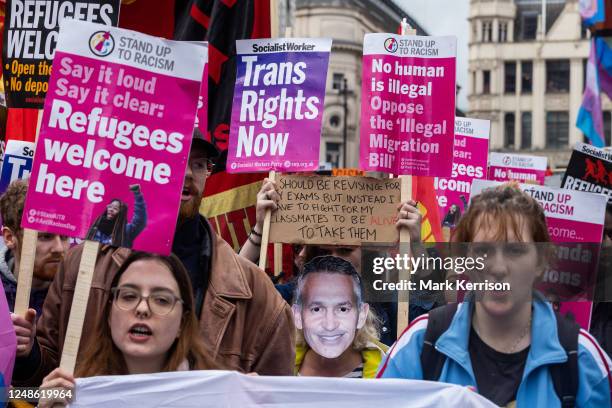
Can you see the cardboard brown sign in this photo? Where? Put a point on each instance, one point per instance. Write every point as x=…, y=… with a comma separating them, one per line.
x=335, y=210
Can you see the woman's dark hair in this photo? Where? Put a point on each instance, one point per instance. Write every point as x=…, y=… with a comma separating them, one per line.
x=102, y=357
x=115, y=228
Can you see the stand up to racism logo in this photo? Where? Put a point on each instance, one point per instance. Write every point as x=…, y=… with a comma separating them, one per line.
x=391, y=44
x=102, y=43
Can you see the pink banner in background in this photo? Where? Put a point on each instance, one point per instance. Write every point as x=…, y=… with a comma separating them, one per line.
x=469, y=163
x=517, y=167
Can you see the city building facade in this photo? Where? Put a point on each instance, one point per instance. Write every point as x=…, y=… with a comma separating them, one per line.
x=528, y=81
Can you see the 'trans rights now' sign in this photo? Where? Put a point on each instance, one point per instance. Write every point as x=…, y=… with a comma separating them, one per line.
x=278, y=104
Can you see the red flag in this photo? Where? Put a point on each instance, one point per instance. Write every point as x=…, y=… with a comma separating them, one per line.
x=221, y=23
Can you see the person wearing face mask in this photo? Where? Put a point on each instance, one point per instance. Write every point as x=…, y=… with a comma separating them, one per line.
x=112, y=228
x=148, y=326
x=244, y=323
x=509, y=345
x=408, y=216
x=337, y=335
x=50, y=251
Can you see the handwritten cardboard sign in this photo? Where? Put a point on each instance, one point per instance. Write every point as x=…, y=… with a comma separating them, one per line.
x=115, y=137
x=335, y=210
x=30, y=37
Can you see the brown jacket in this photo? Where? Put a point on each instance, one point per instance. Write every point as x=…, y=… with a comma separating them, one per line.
x=245, y=323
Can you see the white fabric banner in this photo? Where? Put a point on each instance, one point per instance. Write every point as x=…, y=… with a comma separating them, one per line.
x=231, y=389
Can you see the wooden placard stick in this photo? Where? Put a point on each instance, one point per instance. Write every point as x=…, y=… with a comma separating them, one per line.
x=79, y=306
x=403, y=306
x=28, y=253
x=265, y=234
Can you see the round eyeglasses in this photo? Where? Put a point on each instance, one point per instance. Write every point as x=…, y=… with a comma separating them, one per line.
x=160, y=303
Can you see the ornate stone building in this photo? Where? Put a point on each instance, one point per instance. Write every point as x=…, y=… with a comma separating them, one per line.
x=527, y=81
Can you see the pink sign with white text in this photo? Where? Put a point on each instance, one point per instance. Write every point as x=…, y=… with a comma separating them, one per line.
x=202, y=116
x=517, y=167
x=115, y=137
x=408, y=104
x=575, y=223
x=469, y=162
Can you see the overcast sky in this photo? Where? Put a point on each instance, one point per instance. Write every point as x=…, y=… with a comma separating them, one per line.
x=445, y=17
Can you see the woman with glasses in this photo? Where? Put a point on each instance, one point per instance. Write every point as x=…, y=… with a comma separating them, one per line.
x=149, y=325
x=112, y=226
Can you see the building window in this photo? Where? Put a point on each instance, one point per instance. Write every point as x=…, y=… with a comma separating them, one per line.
x=487, y=31
x=474, y=82
x=557, y=129
x=509, y=130
x=526, y=76
x=486, y=82
x=584, y=32
x=526, y=130
x=529, y=26
x=337, y=81
x=334, y=121
x=502, y=32
x=557, y=76
x=510, y=77
x=332, y=154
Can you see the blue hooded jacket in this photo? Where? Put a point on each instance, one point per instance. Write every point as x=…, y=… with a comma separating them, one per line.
x=536, y=388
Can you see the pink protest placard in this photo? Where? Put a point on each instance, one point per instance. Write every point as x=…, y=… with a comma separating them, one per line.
x=408, y=104
x=575, y=222
x=469, y=162
x=517, y=167
x=115, y=137
x=278, y=104
x=202, y=115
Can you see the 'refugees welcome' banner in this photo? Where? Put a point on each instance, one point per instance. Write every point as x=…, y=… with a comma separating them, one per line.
x=115, y=137
x=278, y=104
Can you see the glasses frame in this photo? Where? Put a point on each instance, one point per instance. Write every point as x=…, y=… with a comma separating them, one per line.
x=115, y=293
x=210, y=166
